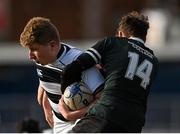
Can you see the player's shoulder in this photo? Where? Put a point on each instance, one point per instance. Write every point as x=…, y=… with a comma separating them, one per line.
x=119, y=41
x=111, y=41
x=71, y=54
x=115, y=38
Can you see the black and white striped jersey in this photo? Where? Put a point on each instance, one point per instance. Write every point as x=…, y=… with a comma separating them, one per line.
x=50, y=75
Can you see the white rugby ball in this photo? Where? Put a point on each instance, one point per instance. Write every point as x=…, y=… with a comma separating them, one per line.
x=77, y=96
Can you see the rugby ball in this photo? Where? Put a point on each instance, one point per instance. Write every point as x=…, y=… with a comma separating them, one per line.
x=77, y=96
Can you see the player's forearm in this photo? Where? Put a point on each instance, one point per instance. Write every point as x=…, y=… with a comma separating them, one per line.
x=86, y=61
x=45, y=102
x=72, y=72
x=70, y=115
x=74, y=115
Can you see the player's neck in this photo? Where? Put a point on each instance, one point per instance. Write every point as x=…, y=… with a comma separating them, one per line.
x=138, y=39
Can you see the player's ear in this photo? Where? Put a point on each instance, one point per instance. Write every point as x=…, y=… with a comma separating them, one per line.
x=119, y=34
x=53, y=44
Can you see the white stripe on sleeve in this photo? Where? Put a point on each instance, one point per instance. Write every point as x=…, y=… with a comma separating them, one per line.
x=96, y=52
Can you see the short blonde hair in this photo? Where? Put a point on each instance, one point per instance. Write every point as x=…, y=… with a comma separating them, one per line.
x=39, y=30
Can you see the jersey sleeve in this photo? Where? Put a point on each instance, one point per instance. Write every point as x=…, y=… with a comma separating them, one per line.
x=94, y=54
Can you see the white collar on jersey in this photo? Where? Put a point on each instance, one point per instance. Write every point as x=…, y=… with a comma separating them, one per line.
x=136, y=38
x=56, y=63
x=63, y=53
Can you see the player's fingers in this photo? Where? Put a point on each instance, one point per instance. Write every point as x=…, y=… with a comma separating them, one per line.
x=51, y=124
x=40, y=95
x=50, y=121
x=39, y=99
x=61, y=101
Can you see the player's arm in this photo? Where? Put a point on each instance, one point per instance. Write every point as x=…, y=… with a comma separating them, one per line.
x=72, y=72
x=68, y=114
x=47, y=110
x=77, y=114
x=40, y=95
x=43, y=101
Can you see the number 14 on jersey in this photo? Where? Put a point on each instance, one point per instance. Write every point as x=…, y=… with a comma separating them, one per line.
x=143, y=70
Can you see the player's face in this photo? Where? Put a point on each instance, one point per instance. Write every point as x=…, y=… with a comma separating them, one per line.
x=42, y=54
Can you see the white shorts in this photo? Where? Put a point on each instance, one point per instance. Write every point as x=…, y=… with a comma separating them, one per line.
x=61, y=126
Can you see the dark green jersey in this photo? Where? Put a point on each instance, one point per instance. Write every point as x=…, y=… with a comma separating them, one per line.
x=130, y=68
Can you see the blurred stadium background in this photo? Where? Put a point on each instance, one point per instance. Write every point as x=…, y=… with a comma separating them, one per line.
x=82, y=23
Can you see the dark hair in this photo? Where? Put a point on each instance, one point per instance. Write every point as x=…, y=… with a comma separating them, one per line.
x=134, y=24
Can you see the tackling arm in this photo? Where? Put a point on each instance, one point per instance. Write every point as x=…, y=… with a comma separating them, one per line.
x=72, y=72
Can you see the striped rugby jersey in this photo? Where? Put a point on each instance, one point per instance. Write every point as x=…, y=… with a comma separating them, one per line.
x=50, y=80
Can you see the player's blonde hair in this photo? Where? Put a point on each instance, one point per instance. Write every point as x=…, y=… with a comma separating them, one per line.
x=39, y=30
x=134, y=24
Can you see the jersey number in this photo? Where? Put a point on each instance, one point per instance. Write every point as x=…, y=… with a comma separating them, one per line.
x=143, y=70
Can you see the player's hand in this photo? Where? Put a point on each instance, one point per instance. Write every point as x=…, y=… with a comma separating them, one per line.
x=63, y=109
x=47, y=111
x=70, y=74
x=40, y=95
